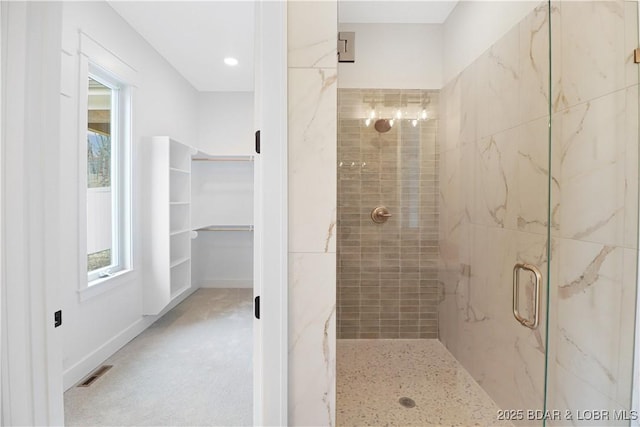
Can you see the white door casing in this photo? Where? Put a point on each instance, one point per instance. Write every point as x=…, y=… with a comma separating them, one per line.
x=271, y=267
x=31, y=350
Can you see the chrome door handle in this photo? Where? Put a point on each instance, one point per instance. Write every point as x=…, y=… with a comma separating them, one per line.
x=531, y=324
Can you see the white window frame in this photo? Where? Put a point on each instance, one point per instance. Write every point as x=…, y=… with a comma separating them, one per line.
x=119, y=241
x=107, y=68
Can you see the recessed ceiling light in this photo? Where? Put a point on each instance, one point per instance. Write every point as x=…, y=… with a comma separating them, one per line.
x=231, y=61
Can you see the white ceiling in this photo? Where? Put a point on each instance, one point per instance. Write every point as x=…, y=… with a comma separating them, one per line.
x=394, y=12
x=196, y=36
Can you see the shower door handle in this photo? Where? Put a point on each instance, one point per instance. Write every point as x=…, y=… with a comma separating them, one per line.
x=529, y=323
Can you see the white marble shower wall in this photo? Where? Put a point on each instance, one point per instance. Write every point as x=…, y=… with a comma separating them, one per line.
x=494, y=168
x=494, y=172
x=312, y=100
x=595, y=117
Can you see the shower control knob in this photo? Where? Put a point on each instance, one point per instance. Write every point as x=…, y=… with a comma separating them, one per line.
x=380, y=214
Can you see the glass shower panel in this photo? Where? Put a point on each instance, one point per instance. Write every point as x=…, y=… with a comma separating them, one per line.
x=595, y=192
x=494, y=215
x=469, y=194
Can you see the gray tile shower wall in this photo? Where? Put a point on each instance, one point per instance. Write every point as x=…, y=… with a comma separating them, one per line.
x=387, y=273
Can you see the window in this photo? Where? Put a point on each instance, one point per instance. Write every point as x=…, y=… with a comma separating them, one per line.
x=106, y=177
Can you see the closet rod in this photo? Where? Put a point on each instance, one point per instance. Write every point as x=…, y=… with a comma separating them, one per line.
x=235, y=159
x=240, y=228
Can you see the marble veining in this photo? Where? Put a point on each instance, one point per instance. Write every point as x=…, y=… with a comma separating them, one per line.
x=587, y=277
x=312, y=339
x=312, y=99
x=374, y=374
x=590, y=48
x=312, y=159
x=329, y=363
x=329, y=236
x=493, y=196
x=313, y=34
x=608, y=373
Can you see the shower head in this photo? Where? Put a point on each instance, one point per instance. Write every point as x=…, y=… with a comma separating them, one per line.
x=383, y=125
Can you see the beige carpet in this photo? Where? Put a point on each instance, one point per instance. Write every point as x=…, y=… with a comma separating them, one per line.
x=193, y=367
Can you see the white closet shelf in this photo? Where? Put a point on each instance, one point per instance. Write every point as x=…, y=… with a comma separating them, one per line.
x=179, y=170
x=201, y=156
x=178, y=292
x=178, y=203
x=174, y=233
x=226, y=227
x=179, y=261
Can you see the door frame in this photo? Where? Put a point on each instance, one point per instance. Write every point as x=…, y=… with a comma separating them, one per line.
x=32, y=363
x=31, y=374
x=271, y=234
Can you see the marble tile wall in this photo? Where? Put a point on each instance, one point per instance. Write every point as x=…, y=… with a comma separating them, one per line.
x=493, y=174
x=387, y=273
x=312, y=100
x=595, y=115
x=494, y=171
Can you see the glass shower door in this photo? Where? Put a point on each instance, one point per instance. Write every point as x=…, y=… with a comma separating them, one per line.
x=594, y=234
x=495, y=217
x=537, y=165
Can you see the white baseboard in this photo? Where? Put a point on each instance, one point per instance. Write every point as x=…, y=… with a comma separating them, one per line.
x=91, y=361
x=226, y=283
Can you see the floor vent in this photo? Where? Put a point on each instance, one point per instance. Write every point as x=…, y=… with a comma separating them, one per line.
x=95, y=375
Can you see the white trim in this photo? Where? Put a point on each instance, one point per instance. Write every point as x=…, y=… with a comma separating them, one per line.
x=101, y=286
x=100, y=55
x=226, y=284
x=81, y=369
x=635, y=391
x=32, y=350
x=271, y=224
x=2, y=206
x=96, y=60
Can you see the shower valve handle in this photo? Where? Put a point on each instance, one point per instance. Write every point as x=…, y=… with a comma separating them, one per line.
x=380, y=214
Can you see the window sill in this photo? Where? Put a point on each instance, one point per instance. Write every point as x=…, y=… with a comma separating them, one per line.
x=100, y=286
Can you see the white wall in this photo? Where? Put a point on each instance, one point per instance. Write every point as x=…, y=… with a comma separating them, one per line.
x=394, y=56
x=473, y=27
x=427, y=56
x=222, y=259
x=221, y=193
x=225, y=122
x=163, y=104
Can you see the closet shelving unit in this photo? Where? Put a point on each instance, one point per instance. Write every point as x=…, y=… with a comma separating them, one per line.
x=222, y=214
x=185, y=193
x=167, y=235
x=224, y=199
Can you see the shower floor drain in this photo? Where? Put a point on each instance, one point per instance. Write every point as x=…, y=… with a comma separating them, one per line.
x=407, y=402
